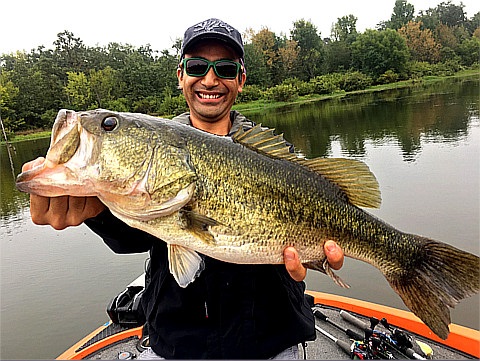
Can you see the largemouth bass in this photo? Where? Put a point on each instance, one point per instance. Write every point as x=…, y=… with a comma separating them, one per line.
x=244, y=200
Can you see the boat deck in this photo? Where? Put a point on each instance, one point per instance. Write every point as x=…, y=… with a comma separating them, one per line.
x=321, y=349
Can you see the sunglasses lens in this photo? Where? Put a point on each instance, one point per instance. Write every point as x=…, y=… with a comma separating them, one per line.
x=223, y=68
x=226, y=69
x=196, y=67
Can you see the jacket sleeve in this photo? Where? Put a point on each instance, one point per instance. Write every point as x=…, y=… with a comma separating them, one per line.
x=119, y=236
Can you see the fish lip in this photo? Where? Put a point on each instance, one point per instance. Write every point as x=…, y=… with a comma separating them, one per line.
x=26, y=176
x=34, y=181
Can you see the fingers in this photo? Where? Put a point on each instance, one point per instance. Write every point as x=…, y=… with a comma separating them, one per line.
x=293, y=264
x=64, y=211
x=298, y=272
x=93, y=207
x=61, y=212
x=334, y=254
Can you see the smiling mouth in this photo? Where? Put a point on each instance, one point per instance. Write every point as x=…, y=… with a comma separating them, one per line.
x=208, y=96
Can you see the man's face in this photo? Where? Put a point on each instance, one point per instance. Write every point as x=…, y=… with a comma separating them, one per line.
x=209, y=97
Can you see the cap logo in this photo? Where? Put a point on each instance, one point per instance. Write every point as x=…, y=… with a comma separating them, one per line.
x=211, y=24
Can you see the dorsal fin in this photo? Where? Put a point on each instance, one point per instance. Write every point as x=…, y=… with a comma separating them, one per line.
x=352, y=176
x=265, y=141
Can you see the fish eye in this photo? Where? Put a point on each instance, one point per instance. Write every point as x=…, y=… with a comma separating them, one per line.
x=109, y=124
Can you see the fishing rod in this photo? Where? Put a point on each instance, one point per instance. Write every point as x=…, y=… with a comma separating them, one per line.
x=401, y=336
x=8, y=146
x=350, y=333
x=350, y=349
x=399, y=340
x=367, y=347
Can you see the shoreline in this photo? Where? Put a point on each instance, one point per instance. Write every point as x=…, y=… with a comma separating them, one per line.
x=262, y=105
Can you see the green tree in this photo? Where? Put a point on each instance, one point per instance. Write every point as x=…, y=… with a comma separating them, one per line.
x=451, y=14
x=444, y=13
x=38, y=87
x=338, y=51
x=177, y=46
x=311, y=51
x=8, y=97
x=402, y=13
x=469, y=51
x=70, y=52
x=338, y=56
x=164, y=75
x=256, y=68
x=140, y=74
x=473, y=23
x=374, y=52
x=105, y=86
x=345, y=29
x=429, y=19
x=78, y=91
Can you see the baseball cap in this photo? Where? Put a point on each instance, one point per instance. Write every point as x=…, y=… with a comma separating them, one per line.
x=213, y=29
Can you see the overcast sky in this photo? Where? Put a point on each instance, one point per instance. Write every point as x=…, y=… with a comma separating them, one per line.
x=27, y=24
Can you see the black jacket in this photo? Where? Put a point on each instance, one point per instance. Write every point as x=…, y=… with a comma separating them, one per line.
x=230, y=311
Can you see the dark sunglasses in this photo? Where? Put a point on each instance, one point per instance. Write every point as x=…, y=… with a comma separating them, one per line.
x=226, y=69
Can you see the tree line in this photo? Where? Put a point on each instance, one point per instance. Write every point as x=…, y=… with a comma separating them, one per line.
x=122, y=77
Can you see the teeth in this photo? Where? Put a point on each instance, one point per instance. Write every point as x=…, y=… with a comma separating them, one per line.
x=208, y=96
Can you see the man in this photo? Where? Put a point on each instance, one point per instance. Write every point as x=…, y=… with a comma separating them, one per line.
x=230, y=311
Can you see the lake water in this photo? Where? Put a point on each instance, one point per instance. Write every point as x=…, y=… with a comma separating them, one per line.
x=423, y=144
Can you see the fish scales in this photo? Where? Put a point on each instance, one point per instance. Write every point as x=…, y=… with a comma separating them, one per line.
x=300, y=207
x=253, y=192
x=244, y=201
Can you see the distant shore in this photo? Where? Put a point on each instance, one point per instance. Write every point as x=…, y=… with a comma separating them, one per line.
x=261, y=105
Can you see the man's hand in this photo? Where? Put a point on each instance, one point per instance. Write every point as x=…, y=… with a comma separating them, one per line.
x=61, y=212
x=333, y=252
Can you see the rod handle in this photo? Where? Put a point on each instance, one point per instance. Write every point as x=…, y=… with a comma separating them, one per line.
x=354, y=335
x=345, y=346
x=353, y=320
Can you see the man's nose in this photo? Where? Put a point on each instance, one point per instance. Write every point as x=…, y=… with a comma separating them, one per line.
x=210, y=79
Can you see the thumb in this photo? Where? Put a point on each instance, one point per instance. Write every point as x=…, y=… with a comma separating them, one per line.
x=293, y=264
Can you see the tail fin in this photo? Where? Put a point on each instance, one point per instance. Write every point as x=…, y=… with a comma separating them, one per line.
x=445, y=276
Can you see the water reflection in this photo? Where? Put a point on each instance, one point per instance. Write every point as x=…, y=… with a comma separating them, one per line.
x=13, y=201
x=438, y=113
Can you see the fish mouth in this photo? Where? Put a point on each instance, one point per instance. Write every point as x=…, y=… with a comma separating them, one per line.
x=53, y=177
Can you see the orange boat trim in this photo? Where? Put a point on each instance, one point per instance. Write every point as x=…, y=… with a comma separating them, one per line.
x=71, y=354
x=460, y=338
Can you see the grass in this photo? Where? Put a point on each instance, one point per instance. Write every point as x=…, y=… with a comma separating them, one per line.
x=29, y=136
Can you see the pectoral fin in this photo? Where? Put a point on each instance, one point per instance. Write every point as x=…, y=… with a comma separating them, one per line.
x=198, y=225
x=185, y=264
